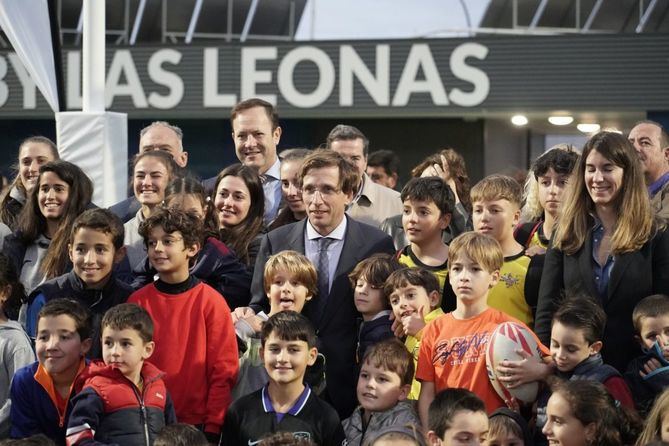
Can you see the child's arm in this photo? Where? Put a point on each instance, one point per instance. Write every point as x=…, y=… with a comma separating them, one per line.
x=427, y=392
x=515, y=373
x=84, y=419
x=24, y=421
x=222, y=365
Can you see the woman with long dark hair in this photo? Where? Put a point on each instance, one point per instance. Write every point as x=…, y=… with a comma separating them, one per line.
x=239, y=206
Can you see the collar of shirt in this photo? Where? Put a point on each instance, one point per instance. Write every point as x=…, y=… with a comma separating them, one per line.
x=657, y=185
x=274, y=172
x=337, y=234
x=363, y=181
x=294, y=410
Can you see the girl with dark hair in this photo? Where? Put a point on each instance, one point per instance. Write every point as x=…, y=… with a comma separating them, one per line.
x=607, y=244
x=151, y=173
x=583, y=413
x=545, y=188
x=33, y=153
x=15, y=347
x=239, y=205
x=215, y=264
x=39, y=246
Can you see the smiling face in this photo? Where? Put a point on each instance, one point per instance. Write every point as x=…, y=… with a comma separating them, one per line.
x=150, y=178
x=32, y=156
x=52, y=196
x=379, y=389
x=93, y=256
x=287, y=361
x=233, y=201
x=255, y=141
x=562, y=427
x=169, y=256
x=287, y=293
x=290, y=187
x=569, y=347
x=603, y=179
x=368, y=299
x=126, y=351
x=467, y=428
x=58, y=345
x=325, y=201
x=422, y=221
x=655, y=329
x=551, y=189
x=410, y=299
x=496, y=218
x=470, y=281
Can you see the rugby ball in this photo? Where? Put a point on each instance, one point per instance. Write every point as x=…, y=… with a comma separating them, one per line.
x=506, y=340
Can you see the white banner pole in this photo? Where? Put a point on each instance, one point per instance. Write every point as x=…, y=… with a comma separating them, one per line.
x=93, y=49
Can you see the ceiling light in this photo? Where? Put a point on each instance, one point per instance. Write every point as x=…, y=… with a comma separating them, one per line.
x=587, y=128
x=519, y=120
x=560, y=120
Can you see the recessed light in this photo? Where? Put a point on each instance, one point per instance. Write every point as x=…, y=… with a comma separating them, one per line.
x=519, y=120
x=587, y=128
x=560, y=120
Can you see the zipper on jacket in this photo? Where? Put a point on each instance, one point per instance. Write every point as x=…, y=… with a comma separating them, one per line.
x=143, y=415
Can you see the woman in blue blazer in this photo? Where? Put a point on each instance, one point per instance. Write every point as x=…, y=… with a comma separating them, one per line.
x=607, y=244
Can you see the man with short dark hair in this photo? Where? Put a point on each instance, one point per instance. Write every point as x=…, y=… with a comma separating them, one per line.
x=652, y=144
x=372, y=203
x=256, y=133
x=383, y=168
x=335, y=244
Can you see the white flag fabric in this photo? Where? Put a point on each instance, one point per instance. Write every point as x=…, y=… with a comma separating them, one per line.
x=26, y=24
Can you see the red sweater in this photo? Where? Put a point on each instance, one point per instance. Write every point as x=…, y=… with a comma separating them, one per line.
x=197, y=350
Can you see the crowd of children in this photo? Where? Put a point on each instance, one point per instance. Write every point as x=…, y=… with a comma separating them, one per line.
x=135, y=343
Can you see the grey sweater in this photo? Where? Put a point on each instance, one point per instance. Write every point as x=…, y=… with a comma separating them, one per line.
x=401, y=415
x=15, y=352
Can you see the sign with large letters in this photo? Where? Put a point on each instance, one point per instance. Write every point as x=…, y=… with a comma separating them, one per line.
x=440, y=77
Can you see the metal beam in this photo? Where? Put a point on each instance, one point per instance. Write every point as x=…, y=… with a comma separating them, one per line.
x=646, y=16
x=591, y=16
x=138, y=21
x=538, y=13
x=80, y=26
x=193, y=21
x=249, y=20
x=231, y=7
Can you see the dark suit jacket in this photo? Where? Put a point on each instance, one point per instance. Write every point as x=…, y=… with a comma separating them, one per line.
x=634, y=276
x=336, y=327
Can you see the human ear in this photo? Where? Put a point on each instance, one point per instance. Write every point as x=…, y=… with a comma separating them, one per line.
x=120, y=254
x=149, y=347
x=595, y=347
x=494, y=278
x=445, y=220
x=193, y=249
x=313, y=353
x=433, y=297
x=591, y=433
x=433, y=438
x=404, y=392
x=86, y=346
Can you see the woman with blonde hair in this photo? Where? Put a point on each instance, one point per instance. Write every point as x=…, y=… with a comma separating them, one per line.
x=607, y=244
x=656, y=426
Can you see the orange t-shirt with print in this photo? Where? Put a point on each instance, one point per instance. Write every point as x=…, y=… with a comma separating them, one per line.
x=452, y=354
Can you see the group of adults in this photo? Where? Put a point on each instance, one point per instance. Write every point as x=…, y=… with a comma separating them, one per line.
x=610, y=241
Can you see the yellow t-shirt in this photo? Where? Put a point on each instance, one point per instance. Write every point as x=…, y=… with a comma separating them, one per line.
x=509, y=294
x=408, y=258
x=413, y=345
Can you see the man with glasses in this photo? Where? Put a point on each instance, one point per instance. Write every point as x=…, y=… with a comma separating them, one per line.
x=334, y=243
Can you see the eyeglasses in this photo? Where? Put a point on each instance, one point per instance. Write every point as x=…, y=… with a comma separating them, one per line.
x=325, y=191
x=166, y=242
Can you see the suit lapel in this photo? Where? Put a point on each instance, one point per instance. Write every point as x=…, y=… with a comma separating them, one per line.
x=296, y=236
x=585, y=267
x=617, y=272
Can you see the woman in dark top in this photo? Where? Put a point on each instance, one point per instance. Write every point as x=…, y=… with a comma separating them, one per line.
x=294, y=208
x=239, y=206
x=607, y=244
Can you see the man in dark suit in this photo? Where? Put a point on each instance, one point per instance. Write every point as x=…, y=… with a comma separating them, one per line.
x=335, y=243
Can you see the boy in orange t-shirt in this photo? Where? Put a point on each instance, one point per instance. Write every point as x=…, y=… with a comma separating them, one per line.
x=452, y=351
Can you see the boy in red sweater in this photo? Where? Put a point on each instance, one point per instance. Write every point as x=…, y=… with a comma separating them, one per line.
x=195, y=340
